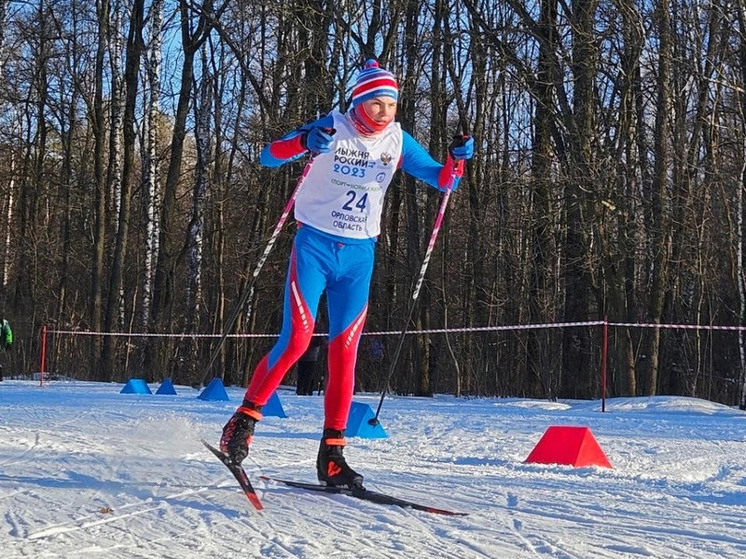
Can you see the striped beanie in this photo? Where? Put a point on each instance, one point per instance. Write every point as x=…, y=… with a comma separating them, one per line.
x=373, y=81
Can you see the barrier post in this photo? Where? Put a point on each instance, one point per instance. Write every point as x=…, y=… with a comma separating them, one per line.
x=604, y=358
x=43, y=358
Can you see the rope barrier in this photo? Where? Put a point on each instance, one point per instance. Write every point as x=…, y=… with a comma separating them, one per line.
x=537, y=326
x=676, y=326
x=516, y=327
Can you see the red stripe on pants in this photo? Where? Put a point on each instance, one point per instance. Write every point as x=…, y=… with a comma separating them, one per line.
x=340, y=385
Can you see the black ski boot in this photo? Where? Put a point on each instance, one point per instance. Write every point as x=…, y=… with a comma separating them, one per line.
x=239, y=431
x=331, y=466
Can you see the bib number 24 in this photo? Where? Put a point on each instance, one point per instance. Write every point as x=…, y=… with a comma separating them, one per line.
x=354, y=202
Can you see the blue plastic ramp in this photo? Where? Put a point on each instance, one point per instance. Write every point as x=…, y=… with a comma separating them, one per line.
x=136, y=386
x=273, y=407
x=214, y=391
x=358, y=426
x=166, y=387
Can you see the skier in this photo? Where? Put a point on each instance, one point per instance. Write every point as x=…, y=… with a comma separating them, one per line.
x=6, y=339
x=338, y=209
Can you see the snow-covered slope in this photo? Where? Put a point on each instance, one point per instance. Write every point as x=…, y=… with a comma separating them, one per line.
x=88, y=472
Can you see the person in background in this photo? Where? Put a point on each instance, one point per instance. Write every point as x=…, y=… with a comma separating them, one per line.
x=376, y=350
x=354, y=157
x=307, y=380
x=6, y=339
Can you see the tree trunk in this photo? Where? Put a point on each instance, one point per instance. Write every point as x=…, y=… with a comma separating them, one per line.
x=541, y=242
x=660, y=199
x=739, y=217
x=576, y=351
x=192, y=40
x=195, y=231
x=135, y=48
x=150, y=167
x=99, y=171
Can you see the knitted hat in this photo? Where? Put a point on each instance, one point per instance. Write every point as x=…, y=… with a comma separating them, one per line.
x=373, y=81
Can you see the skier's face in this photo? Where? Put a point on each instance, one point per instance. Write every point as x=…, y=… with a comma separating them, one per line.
x=380, y=110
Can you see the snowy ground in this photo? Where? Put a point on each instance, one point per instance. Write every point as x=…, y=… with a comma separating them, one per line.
x=88, y=472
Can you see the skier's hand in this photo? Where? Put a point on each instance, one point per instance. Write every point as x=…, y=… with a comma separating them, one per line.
x=318, y=140
x=462, y=147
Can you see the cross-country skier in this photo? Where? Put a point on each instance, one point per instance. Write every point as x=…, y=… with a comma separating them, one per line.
x=338, y=209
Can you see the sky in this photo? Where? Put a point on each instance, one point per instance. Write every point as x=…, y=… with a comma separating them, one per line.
x=88, y=472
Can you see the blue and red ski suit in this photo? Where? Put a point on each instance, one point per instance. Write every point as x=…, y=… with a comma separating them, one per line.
x=338, y=210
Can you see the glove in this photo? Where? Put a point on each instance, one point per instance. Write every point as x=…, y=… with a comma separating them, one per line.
x=318, y=140
x=462, y=147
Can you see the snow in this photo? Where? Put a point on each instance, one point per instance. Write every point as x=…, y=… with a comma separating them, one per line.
x=87, y=472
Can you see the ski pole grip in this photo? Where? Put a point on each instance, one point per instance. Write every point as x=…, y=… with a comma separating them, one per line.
x=459, y=140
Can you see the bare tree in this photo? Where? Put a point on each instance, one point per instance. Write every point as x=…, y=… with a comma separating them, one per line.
x=660, y=207
x=8, y=208
x=195, y=230
x=150, y=165
x=740, y=274
x=98, y=122
x=608, y=181
x=113, y=316
x=194, y=33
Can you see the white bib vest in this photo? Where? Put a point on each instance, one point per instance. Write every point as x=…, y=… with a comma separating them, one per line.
x=344, y=189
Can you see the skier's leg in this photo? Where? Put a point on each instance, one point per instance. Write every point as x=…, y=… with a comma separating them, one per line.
x=347, y=298
x=305, y=284
x=347, y=301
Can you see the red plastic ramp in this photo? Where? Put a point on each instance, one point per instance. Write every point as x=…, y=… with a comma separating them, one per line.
x=573, y=446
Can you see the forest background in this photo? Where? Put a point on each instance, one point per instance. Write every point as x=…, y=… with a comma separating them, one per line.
x=608, y=183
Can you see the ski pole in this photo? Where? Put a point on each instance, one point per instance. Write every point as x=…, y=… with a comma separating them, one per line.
x=259, y=265
x=416, y=293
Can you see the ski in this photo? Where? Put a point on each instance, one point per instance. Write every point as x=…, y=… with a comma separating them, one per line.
x=240, y=475
x=365, y=495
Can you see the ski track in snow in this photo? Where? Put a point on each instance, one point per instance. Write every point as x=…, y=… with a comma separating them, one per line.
x=86, y=472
